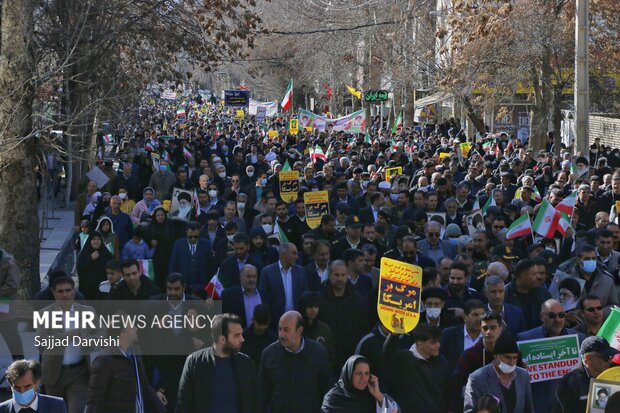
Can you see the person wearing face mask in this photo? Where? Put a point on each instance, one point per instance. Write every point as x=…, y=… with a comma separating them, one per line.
x=162, y=180
x=127, y=204
x=24, y=378
x=215, y=202
x=502, y=379
x=597, y=280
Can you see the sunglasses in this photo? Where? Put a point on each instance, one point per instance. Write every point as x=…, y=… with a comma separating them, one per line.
x=553, y=316
x=593, y=309
x=433, y=234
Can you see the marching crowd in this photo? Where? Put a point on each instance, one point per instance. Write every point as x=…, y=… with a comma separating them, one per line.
x=198, y=197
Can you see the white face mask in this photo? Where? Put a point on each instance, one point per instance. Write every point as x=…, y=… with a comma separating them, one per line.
x=250, y=174
x=230, y=237
x=122, y=195
x=213, y=193
x=268, y=228
x=240, y=205
x=506, y=368
x=433, y=313
x=222, y=175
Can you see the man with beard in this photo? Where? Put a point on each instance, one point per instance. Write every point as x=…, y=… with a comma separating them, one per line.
x=458, y=291
x=220, y=378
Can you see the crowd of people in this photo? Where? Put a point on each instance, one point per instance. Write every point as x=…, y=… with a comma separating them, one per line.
x=198, y=196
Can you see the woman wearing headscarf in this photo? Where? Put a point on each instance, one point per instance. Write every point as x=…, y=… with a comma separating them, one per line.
x=313, y=328
x=91, y=265
x=161, y=234
x=109, y=238
x=145, y=207
x=357, y=391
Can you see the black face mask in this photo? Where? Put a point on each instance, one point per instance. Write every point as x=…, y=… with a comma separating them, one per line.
x=105, y=203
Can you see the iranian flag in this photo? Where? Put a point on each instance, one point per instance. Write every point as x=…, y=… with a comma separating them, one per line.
x=108, y=139
x=286, y=167
x=610, y=330
x=317, y=153
x=398, y=122
x=567, y=206
x=187, y=153
x=149, y=146
x=180, y=113
x=287, y=100
x=146, y=267
x=367, y=138
x=214, y=288
x=565, y=212
x=393, y=145
x=522, y=226
x=545, y=223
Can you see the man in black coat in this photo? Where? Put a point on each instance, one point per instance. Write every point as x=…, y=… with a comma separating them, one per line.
x=419, y=375
x=133, y=286
x=242, y=299
x=344, y=311
x=294, y=371
x=220, y=378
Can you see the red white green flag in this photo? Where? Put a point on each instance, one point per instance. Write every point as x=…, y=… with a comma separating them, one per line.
x=522, y=226
x=545, y=224
x=317, y=153
x=287, y=100
x=568, y=204
x=610, y=330
x=180, y=113
x=146, y=267
x=398, y=122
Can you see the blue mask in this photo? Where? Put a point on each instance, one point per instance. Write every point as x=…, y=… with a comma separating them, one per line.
x=163, y=168
x=24, y=398
x=589, y=266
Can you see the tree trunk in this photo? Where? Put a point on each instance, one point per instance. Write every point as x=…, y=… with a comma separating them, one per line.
x=473, y=116
x=557, y=119
x=19, y=221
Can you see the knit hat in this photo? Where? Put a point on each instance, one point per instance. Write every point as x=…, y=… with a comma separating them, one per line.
x=505, y=343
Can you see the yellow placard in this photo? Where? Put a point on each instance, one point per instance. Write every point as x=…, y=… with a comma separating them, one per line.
x=443, y=155
x=289, y=186
x=389, y=172
x=272, y=134
x=166, y=205
x=400, y=287
x=317, y=205
x=617, y=207
x=308, y=129
x=465, y=148
x=611, y=374
x=240, y=114
x=294, y=127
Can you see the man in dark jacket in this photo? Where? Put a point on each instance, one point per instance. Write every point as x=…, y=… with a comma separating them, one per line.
x=294, y=371
x=133, y=286
x=118, y=381
x=344, y=311
x=572, y=393
x=420, y=374
x=220, y=378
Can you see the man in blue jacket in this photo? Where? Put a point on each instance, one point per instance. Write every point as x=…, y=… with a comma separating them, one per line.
x=553, y=319
x=24, y=377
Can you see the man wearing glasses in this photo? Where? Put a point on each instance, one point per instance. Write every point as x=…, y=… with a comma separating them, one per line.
x=553, y=319
x=571, y=395
x=433, y=247
x=592, y=313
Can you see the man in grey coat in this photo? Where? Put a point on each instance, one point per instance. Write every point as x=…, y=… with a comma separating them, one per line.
x=502, y=379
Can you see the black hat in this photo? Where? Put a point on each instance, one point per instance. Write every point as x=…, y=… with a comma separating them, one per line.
x=385, y=215
x=504, y=252
x=353, y=221
x=534, y=247
x=434, y=292
x=596, y=344
x=505, y=343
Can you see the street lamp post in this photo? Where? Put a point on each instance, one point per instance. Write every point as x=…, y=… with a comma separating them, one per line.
x=582, y=79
